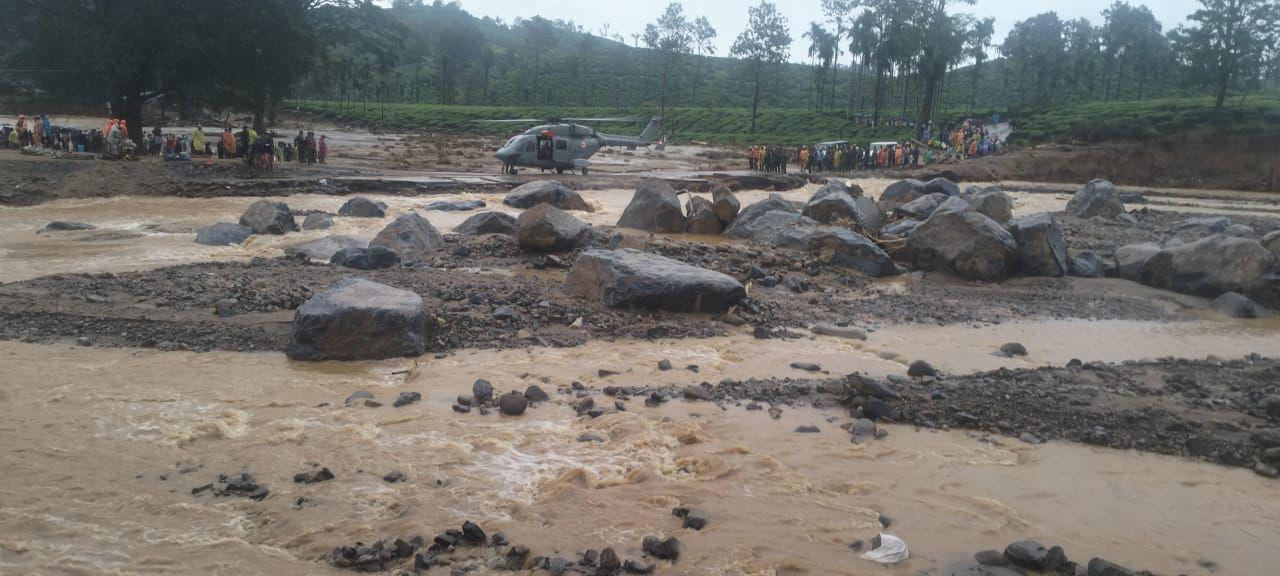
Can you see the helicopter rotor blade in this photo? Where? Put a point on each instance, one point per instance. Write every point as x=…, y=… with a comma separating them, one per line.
x=614, y=119
x=514, y=120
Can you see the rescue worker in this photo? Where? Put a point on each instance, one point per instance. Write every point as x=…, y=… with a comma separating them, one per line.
x=197, y=139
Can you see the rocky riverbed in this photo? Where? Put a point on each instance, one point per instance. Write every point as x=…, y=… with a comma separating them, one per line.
x=814, y=372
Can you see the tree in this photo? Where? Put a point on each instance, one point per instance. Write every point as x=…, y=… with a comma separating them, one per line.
x=1227, y=41
x=942, y=42
x=976, y=44
x=822, y=47
x=670, y=36
x=765, y=41
x=537, y=35
x=703, y=34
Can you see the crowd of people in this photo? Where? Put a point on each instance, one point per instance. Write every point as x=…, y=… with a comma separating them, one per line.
x=969, y=139
x=39, y=134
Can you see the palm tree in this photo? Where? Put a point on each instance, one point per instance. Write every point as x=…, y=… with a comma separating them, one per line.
x=822, y=48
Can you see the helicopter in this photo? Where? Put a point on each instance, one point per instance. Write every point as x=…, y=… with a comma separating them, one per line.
x=562, y=144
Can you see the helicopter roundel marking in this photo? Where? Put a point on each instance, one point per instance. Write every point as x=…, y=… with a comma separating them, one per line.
x=582, y=144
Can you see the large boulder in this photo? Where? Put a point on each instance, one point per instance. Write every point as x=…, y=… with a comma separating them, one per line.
x=412, y=237
x=768, y=228
x=923, y=207
x=223, y=234
x=1087, y=264
x=725, y=203
x=317, y=221
x=1130, y=259
x=993, y=204
x=1213, y=266
x=742, y=226
x=967, y=244
x=702, y=217
x=267, y=217
x=324, y=248
x=902, y=192
x=630, y=278
x=545, y=228
x=941, y=186
x=360, y=207
x=358, y=319
x=830, y=205
x=1272, y=242
x=488, y=223
x=953, y=204
x=454, y=205
x=1041, y=251
x=1097, y=198
x=835, y=185
x=1238, y=305
x=872, y=215
x=653, y=208
x=546, y=192
x=371, y=258
x=841, y=247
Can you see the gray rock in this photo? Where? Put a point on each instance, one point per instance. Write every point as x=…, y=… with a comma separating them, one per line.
x=725, y=203
x=1215, y=265
x=923, y=207
x=317, y=221
x=702, y=217
x=872, y=215
x=769, y=228
x=1240, y=231
x=482, y=391
x=360, y=207
x=455, y=205
x=902, y=192
x=829, y=205
x=223, y=234
x=742, y=225
x=941, y=186
x=488, y=223
x=868, y=386
x=545, y=228
x=1205, y=224
x=991, y=558
x=1027, y=554
x=323, y=249
x=653, y=208
x=357, y=319
x=1041, y=250
x=412, y=237
x=840, y=247
x=835, y=185
x=630, y=278
x=1100, y=567
x=1238, y=305
x=1272, y=242
x=1012, y=349
x=901, y=228
x=267, y=217
x=513, y=404
x=1097, y=198
x=535, y=393
x=371, y=258
x=921, y=369
x=1086, y=264
x=546, y=192
x=64, y=226
x=1132, y=198
x=1130, y=259
x=994, y=204
x=965, y=243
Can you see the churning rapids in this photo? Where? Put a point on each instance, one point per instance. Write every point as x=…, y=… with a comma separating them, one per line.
x=103, y=446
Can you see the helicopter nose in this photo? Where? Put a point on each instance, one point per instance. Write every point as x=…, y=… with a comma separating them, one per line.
x=505, y=154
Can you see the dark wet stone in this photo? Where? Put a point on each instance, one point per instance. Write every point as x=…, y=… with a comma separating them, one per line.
x=668, y=549
x=1100, y=567
x=808, y=429
x=360, y=207
x=356, y=397
x=455, y=205
x=371, y=258
x=267, y=217
x=472, y=533
x=629, y=278
x=412, y=237
x=488, y=223
x=1012, y=349
x=664, y=365
x=393, y=476
x=535, y=393
x=407, y=398
x=696, y=392
x=806, y=366
x=223, y=234
x=461, y=409
x=1027, y=554
x=921, y=369
x=313, y=476
x=64, y=226
x=991, y=558
x=545, y=192
x=357, y=319
x=482, y=391
x=876, y=409
x=513, y=404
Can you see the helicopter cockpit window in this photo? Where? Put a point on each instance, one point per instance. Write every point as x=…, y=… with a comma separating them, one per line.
x=528, y=145
x=562, y=144
x=512, y=141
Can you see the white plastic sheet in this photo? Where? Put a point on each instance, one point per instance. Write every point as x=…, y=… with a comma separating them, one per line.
x=891, y=551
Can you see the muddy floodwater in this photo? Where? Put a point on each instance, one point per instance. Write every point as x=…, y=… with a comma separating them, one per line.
x=104, y=446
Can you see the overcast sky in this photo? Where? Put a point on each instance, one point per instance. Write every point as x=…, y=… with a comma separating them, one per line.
x=729, y=17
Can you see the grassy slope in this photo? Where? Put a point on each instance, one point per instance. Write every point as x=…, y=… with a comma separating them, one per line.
x=1094, y=122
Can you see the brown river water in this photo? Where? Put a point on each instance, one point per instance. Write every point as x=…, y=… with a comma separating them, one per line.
x=103, y=446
